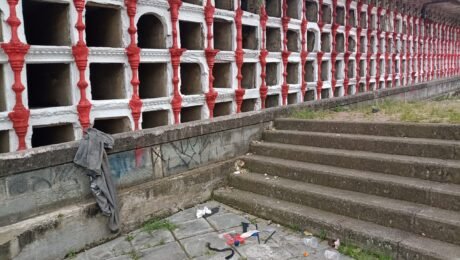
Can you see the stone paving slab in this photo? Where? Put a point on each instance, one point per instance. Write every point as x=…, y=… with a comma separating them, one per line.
x=188, y=240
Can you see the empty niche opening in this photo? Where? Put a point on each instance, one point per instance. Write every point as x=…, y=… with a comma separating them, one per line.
x=248, y=105
x=293, y=7
x=351, y=69
x=273, y=40
x=222, y=109
x=325, y=42
x=272, y=101
x=4, y=141
x=103, y=26
x=224, y=4
x=292, y=98
x=188, y=114
x=309, y=95
x=293, y=73
x=339, y=42
x=363, y=20
x=351, y=44
x=340, y=15
x=191, y=35
x=2, y=90
x=396, y=66
x=373, y=44
x=327, y=14
x=151, y=119
x=249, y=37
x=382, y=67
x=362, y=87
x=153, y=80
x=381, y=84
x=382, y=23
x=339, y=70
x=388, y=66
x=310, y=71
x=251, y=6
x=351, y=90
x=190, y=74
x=311, y=41
x=351, y=18
x=389, y=84
x=382, y=45
x=249, y=75
x=374, y=21
x=362, y=44
x=338, y=91
x=389, y=45
x=372, y=86
x=312, y=11
x=271, y=74
x=222, y=35
x=107, y=80
x=325, y=93
x=293, y=41
x=150, y=32
x=222, y=73
x=48, y=85
x=325, y=70
x=362, y=68
x=273, y=8
x=112, y=125
x=193, y=2
x=47, y=135
x=46, y=23
x=372, y=68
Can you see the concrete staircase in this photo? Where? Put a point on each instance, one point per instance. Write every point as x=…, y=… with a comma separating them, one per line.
x=389, y=187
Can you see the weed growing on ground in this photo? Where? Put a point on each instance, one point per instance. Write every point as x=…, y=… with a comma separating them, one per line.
x=322, y=234
x=70, y=255
x=361, y=254
x=134, y=255
x=129, y=238
x=155, y=224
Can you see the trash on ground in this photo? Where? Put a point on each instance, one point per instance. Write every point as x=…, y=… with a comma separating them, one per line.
x=375, y=109
x=206, y=212
x=311, y=242
x=334, y=243
x=239, y=164
x=236, y=172
x=305, y=254
x=251, y=233
x=307, y=233
x=233, y=239
x=331, y=255
x=269, y=237
x=232, y=252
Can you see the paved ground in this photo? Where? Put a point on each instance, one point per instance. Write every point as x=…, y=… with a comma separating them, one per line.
x=188, y=240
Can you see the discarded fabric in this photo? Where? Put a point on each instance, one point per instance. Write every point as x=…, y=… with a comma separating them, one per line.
x=91, y=155
x=311, y=242
x=208, y=245
x=201, y=212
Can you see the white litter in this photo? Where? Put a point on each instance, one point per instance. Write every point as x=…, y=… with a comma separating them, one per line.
x=331, y=255
x=201, y=212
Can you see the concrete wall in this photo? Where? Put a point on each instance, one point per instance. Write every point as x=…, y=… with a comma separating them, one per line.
x=45, y=199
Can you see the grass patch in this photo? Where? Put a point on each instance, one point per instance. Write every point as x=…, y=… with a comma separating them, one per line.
x=361, y=254
x=444, y=110
x=156, y=224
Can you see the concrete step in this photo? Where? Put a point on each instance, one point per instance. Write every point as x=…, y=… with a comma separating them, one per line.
x=434, y=148
x=434, y=194
x=447, y=171
x=411, y=217
x=398, y=244
x=415, y=130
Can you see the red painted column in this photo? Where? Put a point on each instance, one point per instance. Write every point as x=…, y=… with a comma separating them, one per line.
x=401, y=56
x=408, y=51
x=16, y=51
x=80, y=52
x=263, y=90
x=175, y=53
x=239, y=56
x=358, y=46
x=369, y=46
x=395, y=47
x=347, y=52
x=285, y=54
x=210, y=53
x=334, y=53
x=320, y=54
x=133, y=53
x=379, y=53
x=303, y=52
x=387, y=57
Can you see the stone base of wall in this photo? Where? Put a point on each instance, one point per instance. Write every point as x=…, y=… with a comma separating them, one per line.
x=72, y=228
